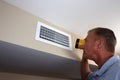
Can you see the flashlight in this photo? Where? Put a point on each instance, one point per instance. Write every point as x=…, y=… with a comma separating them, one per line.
x=79, y=43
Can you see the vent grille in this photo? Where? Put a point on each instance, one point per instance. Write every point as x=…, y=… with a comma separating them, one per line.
x=53, y=36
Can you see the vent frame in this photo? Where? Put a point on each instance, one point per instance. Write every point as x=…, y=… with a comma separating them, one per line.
x=38, y=32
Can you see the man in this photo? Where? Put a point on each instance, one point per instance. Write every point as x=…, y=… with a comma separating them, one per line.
x=100, y=47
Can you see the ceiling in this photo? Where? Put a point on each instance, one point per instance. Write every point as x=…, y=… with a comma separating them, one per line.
x=77, y=16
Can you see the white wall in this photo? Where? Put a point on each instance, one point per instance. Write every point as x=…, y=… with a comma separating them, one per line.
x=19, y=27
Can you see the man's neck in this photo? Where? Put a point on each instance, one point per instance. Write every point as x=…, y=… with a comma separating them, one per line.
x=102, y=59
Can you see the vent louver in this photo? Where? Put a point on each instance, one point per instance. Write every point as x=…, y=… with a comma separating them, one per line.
x=53, y=36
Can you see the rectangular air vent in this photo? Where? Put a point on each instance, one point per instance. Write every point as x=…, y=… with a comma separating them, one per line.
x=53, y=36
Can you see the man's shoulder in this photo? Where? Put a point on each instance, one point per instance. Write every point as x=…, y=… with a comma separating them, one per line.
x=111, y=68
x=117, y=63
x=115, y=67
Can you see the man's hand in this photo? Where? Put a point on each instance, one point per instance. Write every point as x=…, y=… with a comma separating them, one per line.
x=85, y=70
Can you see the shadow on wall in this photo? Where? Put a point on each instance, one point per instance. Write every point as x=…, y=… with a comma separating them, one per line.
x=19, y=59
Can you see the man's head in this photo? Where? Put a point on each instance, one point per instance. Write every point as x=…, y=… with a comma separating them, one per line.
x=108, y=36
x=100, y=39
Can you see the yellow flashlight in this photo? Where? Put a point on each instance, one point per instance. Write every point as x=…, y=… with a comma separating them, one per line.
x=79, y=43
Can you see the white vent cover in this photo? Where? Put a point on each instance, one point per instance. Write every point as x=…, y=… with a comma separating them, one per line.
x=53, y=36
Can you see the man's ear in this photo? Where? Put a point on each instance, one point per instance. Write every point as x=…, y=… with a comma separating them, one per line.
x=99, y=43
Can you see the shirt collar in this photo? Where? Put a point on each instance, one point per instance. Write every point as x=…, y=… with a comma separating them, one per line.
x=106, y=65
